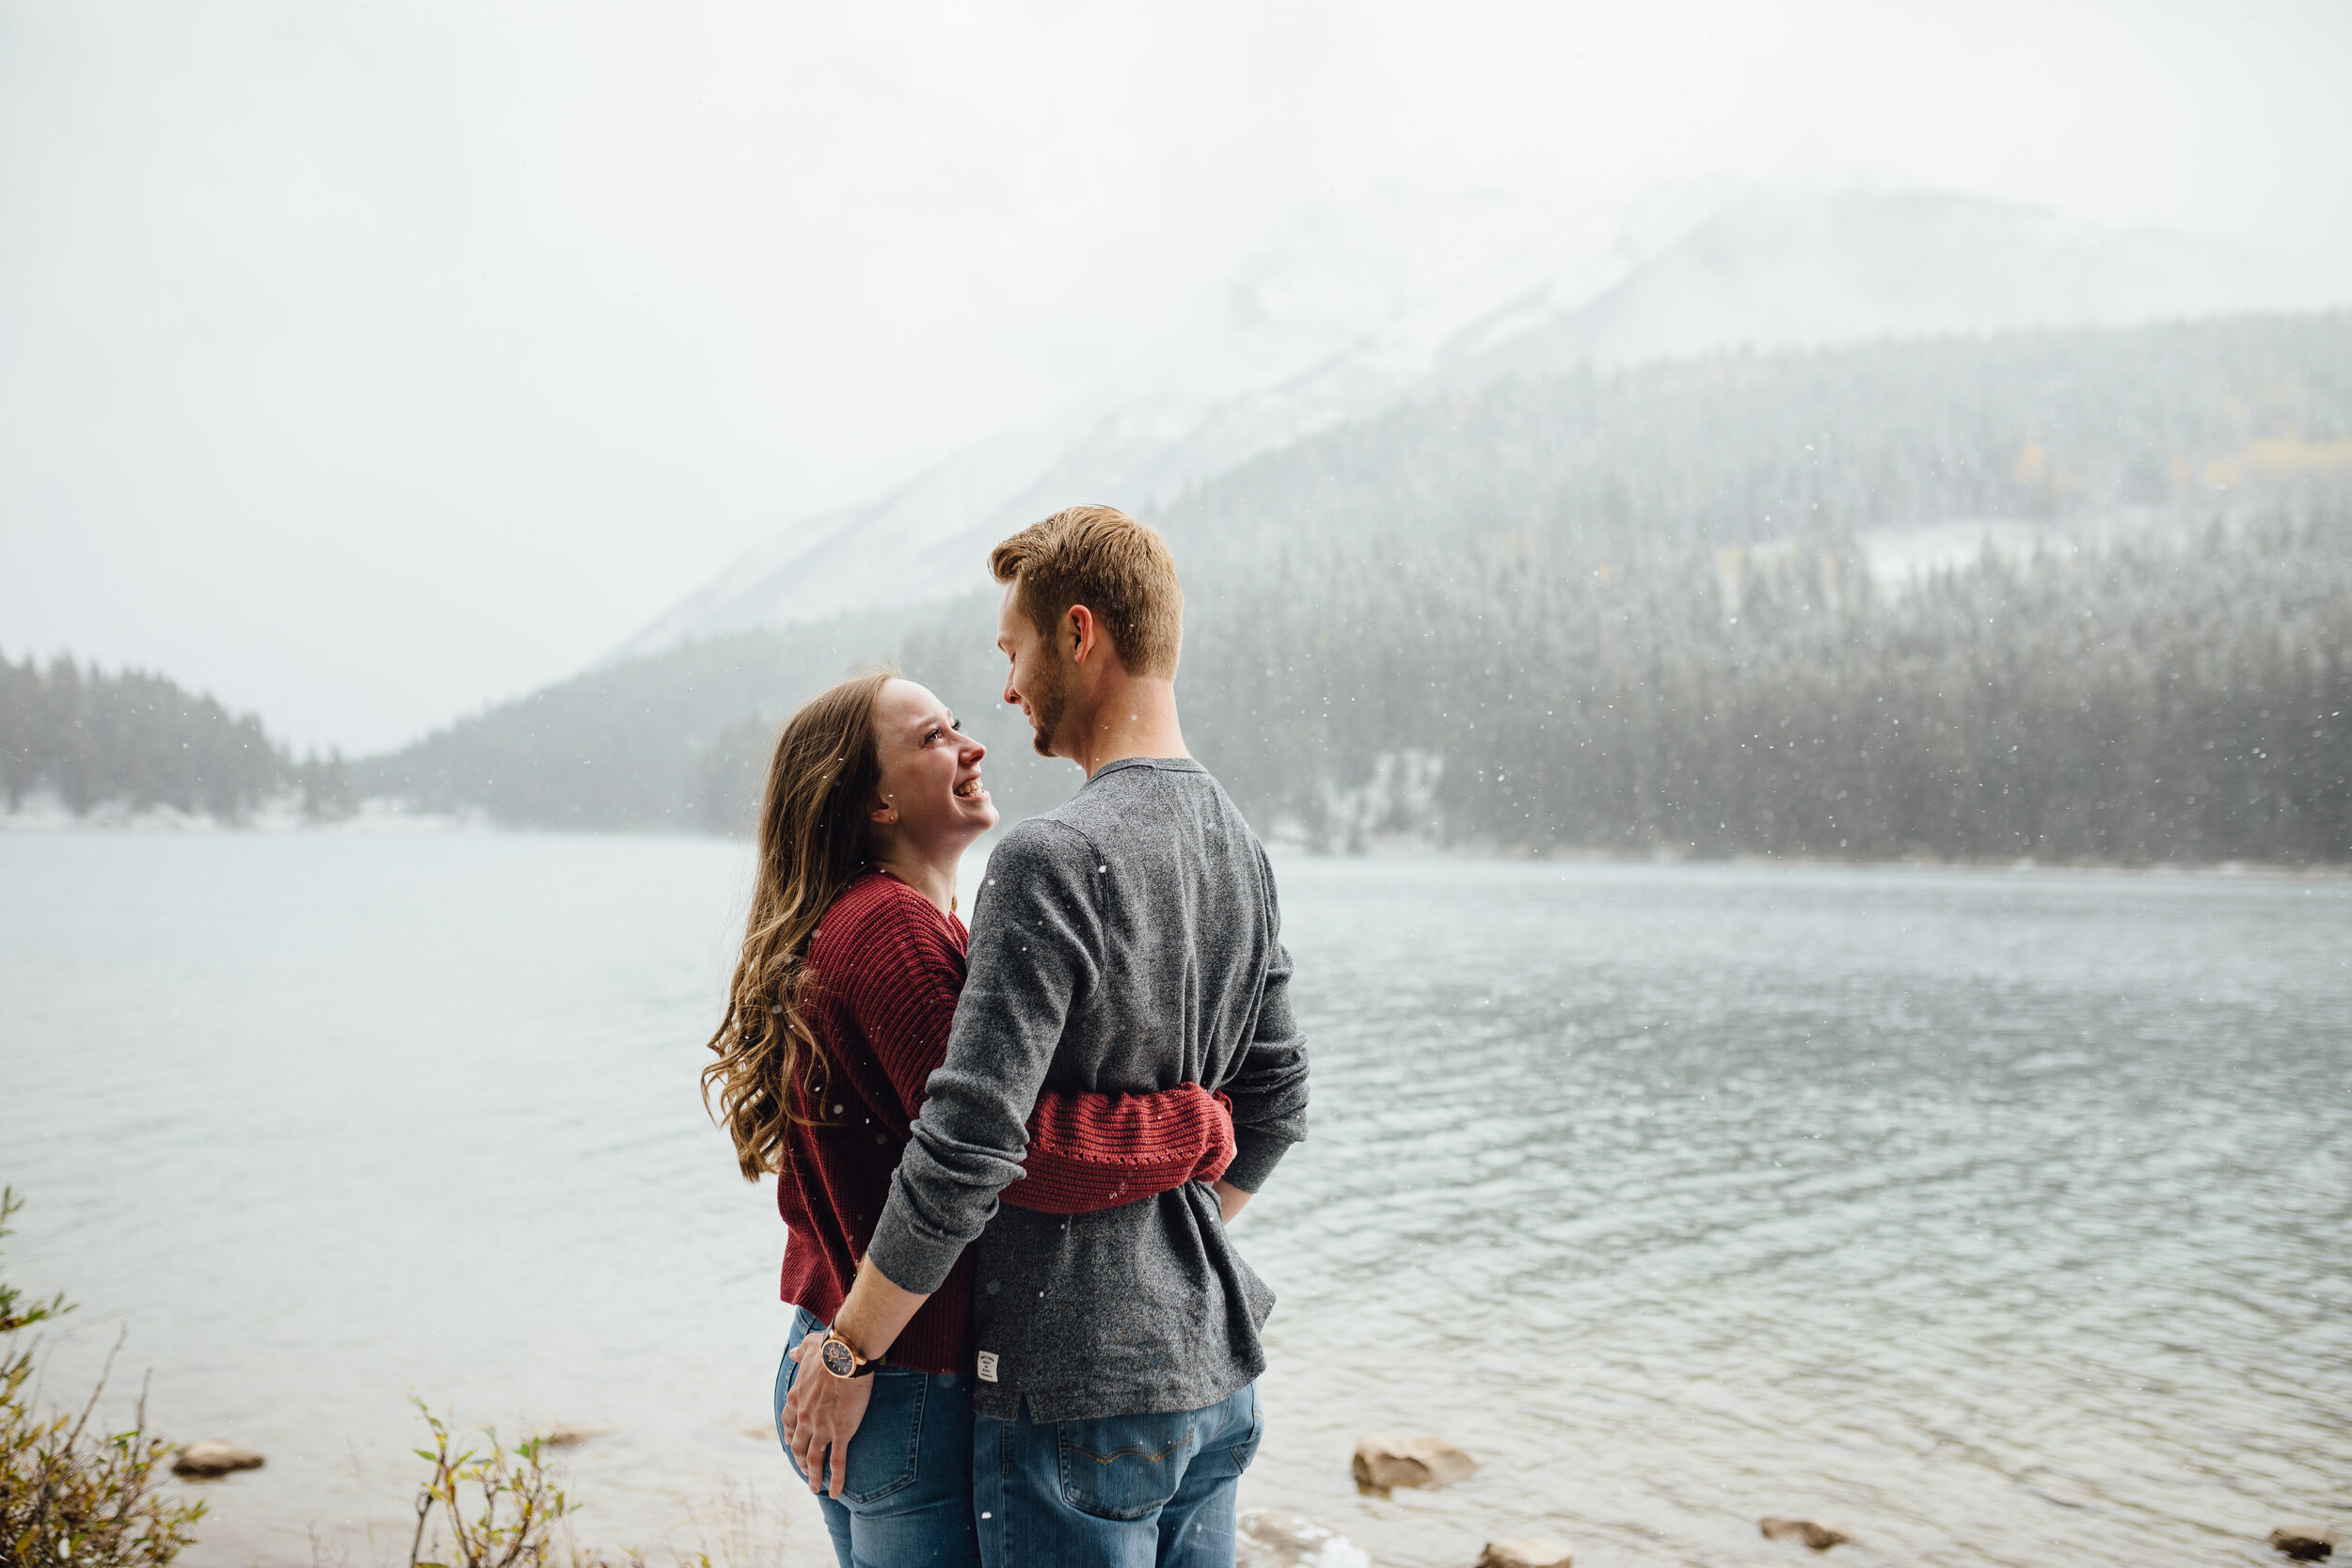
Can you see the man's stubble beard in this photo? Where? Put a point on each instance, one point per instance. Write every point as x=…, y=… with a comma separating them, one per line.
x=1048, y=701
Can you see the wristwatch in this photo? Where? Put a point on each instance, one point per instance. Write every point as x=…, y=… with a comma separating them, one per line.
x=839, y=1359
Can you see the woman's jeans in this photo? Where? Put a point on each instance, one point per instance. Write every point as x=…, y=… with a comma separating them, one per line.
x=908, y=1499
x=1120, y=1492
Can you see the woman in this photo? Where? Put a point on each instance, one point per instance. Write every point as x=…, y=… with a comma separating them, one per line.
x=838, y=1014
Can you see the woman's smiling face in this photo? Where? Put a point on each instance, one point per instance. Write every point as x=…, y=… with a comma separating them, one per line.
x=931, y=797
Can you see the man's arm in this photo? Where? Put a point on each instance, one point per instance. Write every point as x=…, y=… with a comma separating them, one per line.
x=1036, y=943
x=1269, y=1088
x=1036, y=935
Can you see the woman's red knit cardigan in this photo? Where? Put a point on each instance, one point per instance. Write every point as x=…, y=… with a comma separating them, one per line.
x=885, y=969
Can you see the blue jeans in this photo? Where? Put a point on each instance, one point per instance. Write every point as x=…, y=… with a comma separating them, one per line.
x=908, y=1499
x=1121, y=1492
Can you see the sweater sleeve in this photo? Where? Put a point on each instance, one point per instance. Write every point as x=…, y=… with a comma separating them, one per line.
x=1090, y=1151
x=1086, y=1150
x=1269, y=1087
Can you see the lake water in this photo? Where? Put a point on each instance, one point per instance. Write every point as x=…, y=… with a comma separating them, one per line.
x=1994, y=1218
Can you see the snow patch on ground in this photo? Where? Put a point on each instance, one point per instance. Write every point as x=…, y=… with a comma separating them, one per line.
x=1900, y=558
x=43, y=812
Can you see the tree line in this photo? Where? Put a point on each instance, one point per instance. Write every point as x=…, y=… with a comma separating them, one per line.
x=2151, y=702
x=92, y=740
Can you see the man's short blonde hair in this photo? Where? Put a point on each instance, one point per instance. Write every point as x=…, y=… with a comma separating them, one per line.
x=1101, y=558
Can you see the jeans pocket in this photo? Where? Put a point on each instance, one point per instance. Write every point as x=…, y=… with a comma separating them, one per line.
x=1247, y=1449
x=1123, y=1466
x=889, y=1440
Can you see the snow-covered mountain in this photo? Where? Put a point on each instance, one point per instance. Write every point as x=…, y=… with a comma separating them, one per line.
x=1344, y=312
x=1338, y=314
x=1778, y=270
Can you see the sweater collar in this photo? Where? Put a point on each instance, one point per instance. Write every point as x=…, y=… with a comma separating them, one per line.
x=1167, y=764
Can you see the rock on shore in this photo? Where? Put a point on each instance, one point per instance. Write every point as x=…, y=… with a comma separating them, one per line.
x=571, y=1437
x=1391, y=1459
x=1819, y=1537
x=215, y=1458
x=1276, y=1538
x=2303, y=1545
x=1529, y=1552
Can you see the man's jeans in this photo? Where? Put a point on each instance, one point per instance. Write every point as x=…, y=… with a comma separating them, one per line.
x=1123, y=1492
x=908, y=1500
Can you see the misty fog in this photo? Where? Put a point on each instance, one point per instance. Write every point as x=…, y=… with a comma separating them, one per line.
x=1777, y=582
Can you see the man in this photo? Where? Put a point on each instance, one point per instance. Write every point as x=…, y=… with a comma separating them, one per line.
x=1127, y=940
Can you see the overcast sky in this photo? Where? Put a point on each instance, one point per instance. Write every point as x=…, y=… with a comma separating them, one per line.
x=366, y=363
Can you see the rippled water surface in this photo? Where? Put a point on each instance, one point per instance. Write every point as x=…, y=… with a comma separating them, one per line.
x=1994, y=1218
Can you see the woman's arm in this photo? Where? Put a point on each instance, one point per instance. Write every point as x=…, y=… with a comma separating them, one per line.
x=1089, y=1151
x=1086, y=1150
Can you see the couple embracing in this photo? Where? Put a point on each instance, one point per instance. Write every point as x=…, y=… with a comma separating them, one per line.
x=1006, y=1158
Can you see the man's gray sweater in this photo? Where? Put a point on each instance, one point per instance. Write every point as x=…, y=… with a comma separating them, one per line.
x=1125, y=943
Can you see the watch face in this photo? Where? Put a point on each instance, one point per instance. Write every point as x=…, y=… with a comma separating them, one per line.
x=837, y=1360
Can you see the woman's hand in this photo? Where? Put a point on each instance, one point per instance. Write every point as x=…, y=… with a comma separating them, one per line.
x=820, y=1415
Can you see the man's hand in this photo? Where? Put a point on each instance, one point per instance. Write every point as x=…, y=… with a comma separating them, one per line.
x=822, y=1414
x=1230, y=1199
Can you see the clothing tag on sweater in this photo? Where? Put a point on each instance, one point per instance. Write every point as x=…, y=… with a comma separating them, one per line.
x=988, y=1366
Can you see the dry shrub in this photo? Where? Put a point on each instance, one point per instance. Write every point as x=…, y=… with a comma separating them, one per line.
x=485, y=1508
x=71, y=1496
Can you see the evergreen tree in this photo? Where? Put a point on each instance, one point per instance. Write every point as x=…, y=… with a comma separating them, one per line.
x=132, y=738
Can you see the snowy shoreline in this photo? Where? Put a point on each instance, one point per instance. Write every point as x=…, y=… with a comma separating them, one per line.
x=45, y=812
x=382, y=818
x=2233, y=869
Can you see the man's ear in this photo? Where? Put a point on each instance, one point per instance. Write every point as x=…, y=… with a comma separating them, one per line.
x=1079, y=626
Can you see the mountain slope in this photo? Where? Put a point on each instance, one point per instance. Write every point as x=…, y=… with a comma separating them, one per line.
x=1359, y=603
x=1346, y=313
x=1334, y=316
x=2084, y=432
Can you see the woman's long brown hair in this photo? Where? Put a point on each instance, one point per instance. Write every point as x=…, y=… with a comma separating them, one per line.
x=812, y=842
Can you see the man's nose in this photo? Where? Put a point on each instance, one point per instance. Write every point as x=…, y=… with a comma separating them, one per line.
x=1011, y=695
